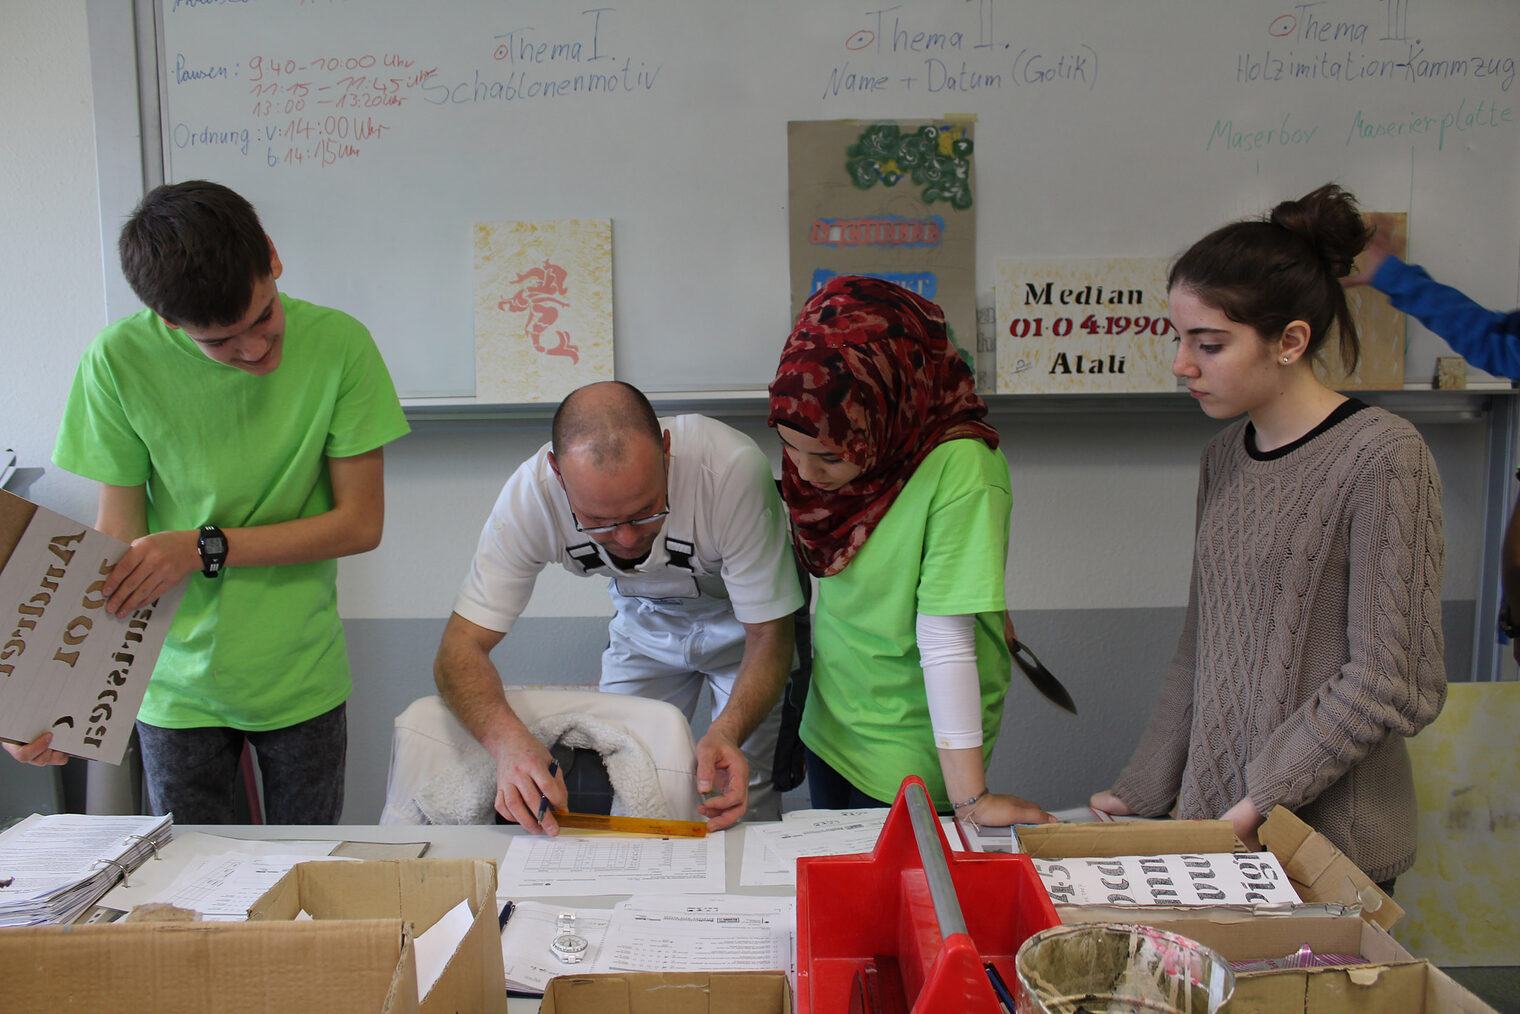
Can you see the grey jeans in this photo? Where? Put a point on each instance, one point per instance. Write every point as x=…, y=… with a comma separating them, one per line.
x=193, y=773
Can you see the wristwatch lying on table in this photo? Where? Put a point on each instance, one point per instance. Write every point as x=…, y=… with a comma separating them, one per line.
x=213, y=547
x=568, y=946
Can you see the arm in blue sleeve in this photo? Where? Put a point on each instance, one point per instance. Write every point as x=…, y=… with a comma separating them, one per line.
x=1488, y=339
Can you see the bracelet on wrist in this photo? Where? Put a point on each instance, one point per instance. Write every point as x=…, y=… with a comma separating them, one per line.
x=958, y=807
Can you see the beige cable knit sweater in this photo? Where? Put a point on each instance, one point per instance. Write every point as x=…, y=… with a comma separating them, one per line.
x=1312, y=645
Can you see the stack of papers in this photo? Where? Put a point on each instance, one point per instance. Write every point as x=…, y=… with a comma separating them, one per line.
x=55, y=867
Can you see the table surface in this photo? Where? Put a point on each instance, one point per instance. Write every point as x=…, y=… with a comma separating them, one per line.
x=445, y=842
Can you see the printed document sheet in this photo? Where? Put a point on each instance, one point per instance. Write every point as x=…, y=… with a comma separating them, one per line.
x=214, y=856
x=653, y=933
x=588, y=865
x=222, y=888
x=771, y=851
x=1225, y=878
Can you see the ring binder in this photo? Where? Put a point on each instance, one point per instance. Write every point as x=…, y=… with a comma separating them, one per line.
x=62, y=864
x=150, y=843
x=112, y=862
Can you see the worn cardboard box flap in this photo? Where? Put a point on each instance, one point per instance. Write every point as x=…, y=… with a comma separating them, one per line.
x=419, y=891
x=1416, y=987
x=357, y=967
x=1127, y=838
x=669, y=993
x=1252, y=939
x=1321, y=872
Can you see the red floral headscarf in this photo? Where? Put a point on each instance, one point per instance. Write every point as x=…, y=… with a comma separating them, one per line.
x=869, y=371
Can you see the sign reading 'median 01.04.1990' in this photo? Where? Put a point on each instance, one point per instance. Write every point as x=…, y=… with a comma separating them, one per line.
x=1083, y=326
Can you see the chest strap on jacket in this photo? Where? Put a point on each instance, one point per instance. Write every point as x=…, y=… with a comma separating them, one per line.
x=586, y=555
x=680, y=552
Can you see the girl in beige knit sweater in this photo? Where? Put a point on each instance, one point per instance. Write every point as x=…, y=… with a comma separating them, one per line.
x=1312, y=643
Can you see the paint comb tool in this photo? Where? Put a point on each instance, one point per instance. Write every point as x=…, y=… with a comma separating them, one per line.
x=1042, y=678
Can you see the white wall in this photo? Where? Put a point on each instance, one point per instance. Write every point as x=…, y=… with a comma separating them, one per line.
x=51, y=289
x=1103, y=504
x=51, y=292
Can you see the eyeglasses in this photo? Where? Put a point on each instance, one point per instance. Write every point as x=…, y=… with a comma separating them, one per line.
x=645, y=521
x=657, y=516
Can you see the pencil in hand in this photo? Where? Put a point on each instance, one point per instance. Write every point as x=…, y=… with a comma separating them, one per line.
x=543, y=800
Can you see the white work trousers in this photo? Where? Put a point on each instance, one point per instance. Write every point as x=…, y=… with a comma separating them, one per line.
x=665, y=648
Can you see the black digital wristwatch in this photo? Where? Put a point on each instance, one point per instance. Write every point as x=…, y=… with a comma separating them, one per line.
x=213, y=547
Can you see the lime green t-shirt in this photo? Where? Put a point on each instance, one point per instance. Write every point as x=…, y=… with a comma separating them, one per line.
x=257, y=648
x=940, y=550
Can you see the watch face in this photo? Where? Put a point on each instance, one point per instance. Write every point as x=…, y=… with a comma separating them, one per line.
x=214, y=544
x=570, y=948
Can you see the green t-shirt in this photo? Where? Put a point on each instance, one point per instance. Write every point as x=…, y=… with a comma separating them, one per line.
x=940, y=550
x=257, y=648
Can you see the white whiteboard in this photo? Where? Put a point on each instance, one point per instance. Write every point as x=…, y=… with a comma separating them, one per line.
x=1104, y=128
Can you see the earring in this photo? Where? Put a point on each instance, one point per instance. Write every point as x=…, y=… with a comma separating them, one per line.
x=1285, y=360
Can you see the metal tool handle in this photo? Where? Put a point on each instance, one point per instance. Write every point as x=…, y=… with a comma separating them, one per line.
x=947, y=907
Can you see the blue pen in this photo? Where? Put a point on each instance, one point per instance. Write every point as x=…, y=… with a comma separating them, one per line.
x=543, y=801
x=999, y=986
x=506, y=913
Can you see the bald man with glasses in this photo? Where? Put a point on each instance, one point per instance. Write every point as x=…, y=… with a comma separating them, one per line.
x=682, y=517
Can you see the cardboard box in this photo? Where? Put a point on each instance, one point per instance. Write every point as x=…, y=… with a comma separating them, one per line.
x=1127, y=838
x=66, y=665
x=355, y=967
x=1414, y=987
x=669, y=993
x=1326, y=881
x=1392, y=981
x=419, y=891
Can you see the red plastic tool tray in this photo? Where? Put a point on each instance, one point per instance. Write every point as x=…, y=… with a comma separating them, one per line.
x=853, y=908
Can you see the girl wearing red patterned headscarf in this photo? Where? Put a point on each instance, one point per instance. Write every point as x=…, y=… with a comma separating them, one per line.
x=899, y=501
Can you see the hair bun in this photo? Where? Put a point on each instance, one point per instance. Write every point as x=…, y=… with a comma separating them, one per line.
x=1327, y=220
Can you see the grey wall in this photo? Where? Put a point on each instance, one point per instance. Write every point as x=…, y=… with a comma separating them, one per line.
x=1112, y=662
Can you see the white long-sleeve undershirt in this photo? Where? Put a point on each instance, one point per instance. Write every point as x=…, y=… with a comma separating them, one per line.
x=947, y=650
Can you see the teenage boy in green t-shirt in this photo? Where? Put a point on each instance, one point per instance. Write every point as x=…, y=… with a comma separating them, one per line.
x=235, y=432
